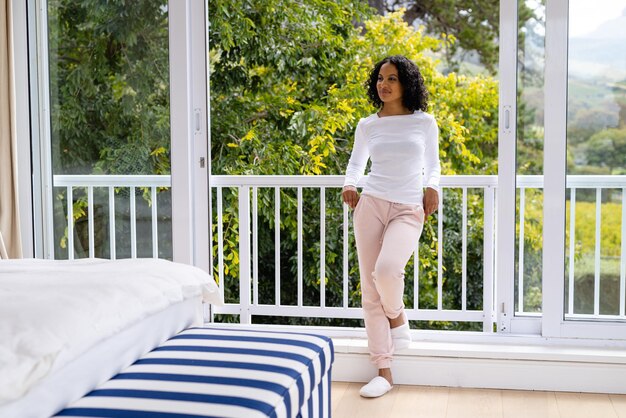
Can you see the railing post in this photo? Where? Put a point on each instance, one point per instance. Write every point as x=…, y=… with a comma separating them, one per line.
x=488, y=259
x=520, y=249
x=70, y=223
x=244, y=254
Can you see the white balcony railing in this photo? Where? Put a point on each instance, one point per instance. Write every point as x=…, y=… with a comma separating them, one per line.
x=249, y=305
x=69, y=183
x=249, y=189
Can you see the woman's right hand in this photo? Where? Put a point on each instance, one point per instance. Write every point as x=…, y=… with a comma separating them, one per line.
x=350, y=196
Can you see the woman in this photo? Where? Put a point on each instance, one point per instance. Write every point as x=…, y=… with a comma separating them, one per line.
x=401, y=140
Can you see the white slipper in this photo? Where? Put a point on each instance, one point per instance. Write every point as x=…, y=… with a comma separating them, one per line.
x=378, y=386
x=401, y=336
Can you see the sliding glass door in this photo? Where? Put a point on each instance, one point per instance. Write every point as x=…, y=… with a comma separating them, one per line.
x=529, y=165
x=104, y=138
x=520, y=166
x=585, y=250
x=596, y=168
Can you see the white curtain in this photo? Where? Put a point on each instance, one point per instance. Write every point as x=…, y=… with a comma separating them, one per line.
x=9, y=213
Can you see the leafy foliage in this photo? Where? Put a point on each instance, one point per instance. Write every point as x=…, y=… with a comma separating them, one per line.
x=109, y=87
x=585, y=235
x=607, y=148
x=276, y=121
x=475, y=26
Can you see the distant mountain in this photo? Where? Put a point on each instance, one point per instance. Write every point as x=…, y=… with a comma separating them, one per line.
x=613, y=29
x=601, y=53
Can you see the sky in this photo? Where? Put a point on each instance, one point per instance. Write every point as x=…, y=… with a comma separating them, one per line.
x=585, y=15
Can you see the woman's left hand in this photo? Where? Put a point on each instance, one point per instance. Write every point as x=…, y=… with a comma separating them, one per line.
x=431, y=201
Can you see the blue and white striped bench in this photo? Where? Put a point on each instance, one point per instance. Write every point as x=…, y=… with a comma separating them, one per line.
x=220, y=372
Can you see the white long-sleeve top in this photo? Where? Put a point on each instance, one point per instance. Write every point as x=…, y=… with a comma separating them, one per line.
x=404, y=150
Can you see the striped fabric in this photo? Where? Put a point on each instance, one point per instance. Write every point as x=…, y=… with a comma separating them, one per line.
x=220, y=372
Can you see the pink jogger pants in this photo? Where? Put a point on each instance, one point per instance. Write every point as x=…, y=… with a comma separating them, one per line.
x=386, y=235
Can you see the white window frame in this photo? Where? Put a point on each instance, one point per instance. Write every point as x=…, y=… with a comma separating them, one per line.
x=39, y=145
x=190, y=134
x=555, y=166
x=19, y=16
x=190, y=139
x=189, y=131
x=507, y=321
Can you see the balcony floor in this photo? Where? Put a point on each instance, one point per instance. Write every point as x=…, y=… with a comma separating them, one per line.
x=441, y=402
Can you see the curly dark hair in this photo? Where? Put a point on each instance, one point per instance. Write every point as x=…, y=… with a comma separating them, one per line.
x=415, y=96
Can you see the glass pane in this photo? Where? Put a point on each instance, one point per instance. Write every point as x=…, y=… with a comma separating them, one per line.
x=529, y=149
x=596, y=161
x=109, y=99
x=287, y=91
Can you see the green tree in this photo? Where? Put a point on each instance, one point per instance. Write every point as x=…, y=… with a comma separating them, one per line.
x=475, y=26
x=607, y=148
x=109, y=86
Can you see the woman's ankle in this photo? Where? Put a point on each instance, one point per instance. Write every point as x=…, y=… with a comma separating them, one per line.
x=397, y=322
x=386, y=373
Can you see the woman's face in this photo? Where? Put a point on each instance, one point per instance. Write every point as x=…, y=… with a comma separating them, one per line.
x=388, y=85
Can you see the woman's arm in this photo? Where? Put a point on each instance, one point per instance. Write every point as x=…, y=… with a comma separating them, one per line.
x=356, y=167
x=432, y=170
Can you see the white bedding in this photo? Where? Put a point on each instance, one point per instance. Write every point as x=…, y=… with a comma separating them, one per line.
x=101, y=362
x=53, y=311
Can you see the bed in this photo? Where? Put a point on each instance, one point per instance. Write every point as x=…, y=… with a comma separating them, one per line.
x=126, y=338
